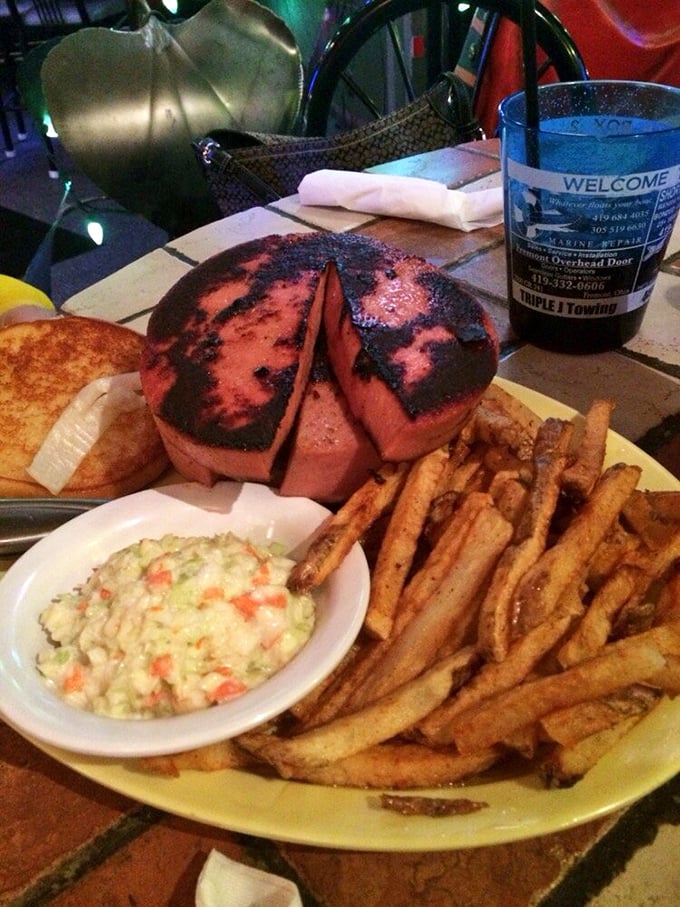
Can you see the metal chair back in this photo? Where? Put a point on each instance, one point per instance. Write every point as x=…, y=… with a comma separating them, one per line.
x=376, y=17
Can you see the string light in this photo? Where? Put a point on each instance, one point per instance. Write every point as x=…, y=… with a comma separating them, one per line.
x=95, y=231
x=38, y=272
x=50, y=131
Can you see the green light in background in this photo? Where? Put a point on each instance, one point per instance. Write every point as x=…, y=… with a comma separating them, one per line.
x=50, y=131
x=171, y=5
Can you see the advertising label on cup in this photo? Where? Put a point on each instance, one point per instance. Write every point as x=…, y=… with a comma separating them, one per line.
x=590, y=203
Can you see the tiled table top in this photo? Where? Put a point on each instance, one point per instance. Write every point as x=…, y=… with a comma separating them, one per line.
x=68, y=841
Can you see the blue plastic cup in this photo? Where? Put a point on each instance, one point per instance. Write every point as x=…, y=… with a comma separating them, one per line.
x=591, y=195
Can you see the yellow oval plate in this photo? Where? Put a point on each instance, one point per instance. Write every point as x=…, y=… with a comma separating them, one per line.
x=344, y=818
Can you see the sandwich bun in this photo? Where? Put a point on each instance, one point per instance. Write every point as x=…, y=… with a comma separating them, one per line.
x=44, y=364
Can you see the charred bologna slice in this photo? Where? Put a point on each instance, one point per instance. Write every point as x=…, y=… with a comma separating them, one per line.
x=412, y=349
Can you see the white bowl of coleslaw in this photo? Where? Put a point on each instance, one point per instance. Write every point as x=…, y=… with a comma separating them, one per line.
x=65, y=560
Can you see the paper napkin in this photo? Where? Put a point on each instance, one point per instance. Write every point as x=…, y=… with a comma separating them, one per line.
x=403, y=196
x=227, y=883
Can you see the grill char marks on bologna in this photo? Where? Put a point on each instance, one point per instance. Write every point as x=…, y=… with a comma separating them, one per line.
x=202, y=331
x=460, y=350
x=231, y=346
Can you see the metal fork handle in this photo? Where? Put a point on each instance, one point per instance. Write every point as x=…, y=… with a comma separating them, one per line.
x=24, y=521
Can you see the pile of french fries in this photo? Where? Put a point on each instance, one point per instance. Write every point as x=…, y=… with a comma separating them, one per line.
x=525, y=605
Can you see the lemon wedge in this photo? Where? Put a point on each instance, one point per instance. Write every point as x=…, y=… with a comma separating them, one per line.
x=14, y=292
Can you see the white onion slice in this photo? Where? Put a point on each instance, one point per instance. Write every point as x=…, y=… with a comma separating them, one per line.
x=80, y=426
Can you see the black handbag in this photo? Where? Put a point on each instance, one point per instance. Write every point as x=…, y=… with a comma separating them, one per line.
x=244, y=169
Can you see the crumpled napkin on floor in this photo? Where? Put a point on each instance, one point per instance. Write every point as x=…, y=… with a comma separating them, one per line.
x=226, y=883
x=403, y=196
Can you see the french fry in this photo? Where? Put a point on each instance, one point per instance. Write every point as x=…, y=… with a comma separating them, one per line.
x=653, y=515
x=499, y=430
x=569, y=725
x=589, y=446
x=495, y=618
x=657, y=561
x=397, y=766
x=458, y=481
x=494, y=721
x=668, y=606
x=499, y=460
x=509, y=495
x=448, y=608
x=524, y=741
x=570, y=603
x=346, y=527
x=635, y=617
x=210, y=758
x=665, y=637
x=549, y=458
x=459, y=450
x=337, y=699
x=460, y=478
x=431, y=574
x=168, y=765
x=381, y=720
x=638, y=613
x=566, y=765
x=542, y=585
x=668, y=678
x=310, y=703
x=400, y=542
x=593, y=631
x=616, y=548
x=520, y=421
x=494, y=678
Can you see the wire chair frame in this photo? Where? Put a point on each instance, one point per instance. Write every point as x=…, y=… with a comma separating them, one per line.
x=334, y=66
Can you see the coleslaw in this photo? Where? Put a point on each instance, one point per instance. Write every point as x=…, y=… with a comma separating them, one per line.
x=171, y=625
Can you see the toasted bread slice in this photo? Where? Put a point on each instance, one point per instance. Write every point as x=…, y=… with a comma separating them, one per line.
x=43, y=366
